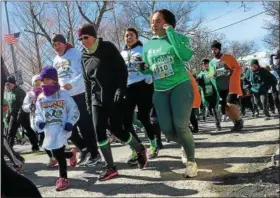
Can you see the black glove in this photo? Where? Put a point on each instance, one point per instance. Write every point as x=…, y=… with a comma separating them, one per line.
x=118, y=96
x=68, y=127
x=32, y=107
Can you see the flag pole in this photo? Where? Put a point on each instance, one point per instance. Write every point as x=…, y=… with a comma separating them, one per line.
x=12, y=47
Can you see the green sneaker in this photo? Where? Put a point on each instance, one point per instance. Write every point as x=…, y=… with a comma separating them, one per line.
x=153, y=152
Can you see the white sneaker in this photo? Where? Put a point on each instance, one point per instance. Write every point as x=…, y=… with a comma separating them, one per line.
x=184, y=156
x=191, y=170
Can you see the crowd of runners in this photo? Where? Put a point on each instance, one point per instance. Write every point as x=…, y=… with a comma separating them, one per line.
x=89, y=97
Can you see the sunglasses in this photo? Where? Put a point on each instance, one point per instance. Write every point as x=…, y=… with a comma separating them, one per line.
x=83, y=38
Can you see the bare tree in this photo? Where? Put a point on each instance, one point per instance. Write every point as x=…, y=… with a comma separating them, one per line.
x=241, y=49
x=272, y=39
x=137, y=14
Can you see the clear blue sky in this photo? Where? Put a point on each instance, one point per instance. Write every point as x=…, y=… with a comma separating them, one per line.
x=247, y=30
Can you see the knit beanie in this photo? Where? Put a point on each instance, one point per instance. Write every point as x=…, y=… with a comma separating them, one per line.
x=216, y=44
x=35, y=78
x=49, y=72
x=58, y=38
x=254, y=62
x=87, y=29
x=11, y=79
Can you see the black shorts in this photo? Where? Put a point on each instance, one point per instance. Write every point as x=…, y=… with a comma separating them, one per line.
x=232, y=98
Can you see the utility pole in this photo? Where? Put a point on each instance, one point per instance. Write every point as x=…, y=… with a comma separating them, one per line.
x=71, y=36
x=9, y=31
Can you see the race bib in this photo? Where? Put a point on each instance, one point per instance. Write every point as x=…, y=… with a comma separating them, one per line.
x=162, y=70
x=208, y=89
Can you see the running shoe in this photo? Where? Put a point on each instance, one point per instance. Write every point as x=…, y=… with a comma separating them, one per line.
x=142, y=157
x=238, y=125
x=73, y=159
x=159, y=144
x=52, y=162
x=93, y=161
x=153, y=152
x=18, y=168
x=108, y=173
x=84, y=157
x=62, y=184
x=218, y=127
x=191, y=170
x=132, y=159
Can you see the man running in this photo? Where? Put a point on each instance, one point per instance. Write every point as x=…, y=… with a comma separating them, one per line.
x=233, y=70
x=70, y=75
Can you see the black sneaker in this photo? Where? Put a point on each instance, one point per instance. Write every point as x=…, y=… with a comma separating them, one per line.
x=218, y=127
x=108, y=173
x=132, y=159
x=84, y=158
x=93, y=161
x=238, y=125
x=159, y=144
x=142, y=157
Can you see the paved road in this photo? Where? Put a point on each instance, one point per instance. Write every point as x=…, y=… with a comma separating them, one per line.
x=219, y=155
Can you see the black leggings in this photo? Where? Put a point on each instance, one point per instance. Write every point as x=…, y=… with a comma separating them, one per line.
x=139, y=94
x=61, y=155
x=100, y=117
x=223, y=102
x=85, y=126
x=193, y=120
x=24, y=121
x=212, y=101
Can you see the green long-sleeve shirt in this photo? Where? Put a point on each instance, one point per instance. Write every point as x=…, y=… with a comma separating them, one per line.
x=164, y=57
x=15, y=99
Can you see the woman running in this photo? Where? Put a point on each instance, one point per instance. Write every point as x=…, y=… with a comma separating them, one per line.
x=105, y=75
x=173, y=97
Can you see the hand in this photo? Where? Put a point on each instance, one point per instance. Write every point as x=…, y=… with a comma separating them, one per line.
x=118, y=96
x=32, y=107
x=68, y=127
x=67, y=86
x=165, y=26
x=41, y=125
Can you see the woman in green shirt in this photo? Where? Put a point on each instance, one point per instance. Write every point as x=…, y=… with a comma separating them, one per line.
x=173, y=97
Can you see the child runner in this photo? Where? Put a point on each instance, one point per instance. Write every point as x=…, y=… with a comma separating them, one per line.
x=56, y=113
x=30, y=107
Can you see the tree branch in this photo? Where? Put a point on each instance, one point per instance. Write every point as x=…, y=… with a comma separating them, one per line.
x=83, y=14
x=38, y=33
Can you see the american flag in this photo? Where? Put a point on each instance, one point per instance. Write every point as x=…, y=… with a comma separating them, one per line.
x=11, y=38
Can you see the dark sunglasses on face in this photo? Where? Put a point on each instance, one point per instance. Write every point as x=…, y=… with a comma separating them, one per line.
x=83, y=38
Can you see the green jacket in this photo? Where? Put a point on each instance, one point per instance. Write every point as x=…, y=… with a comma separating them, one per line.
x=15, y=99
x=208, y=85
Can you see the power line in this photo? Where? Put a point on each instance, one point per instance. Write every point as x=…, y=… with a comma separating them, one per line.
x=238, y=21
x=233, y=10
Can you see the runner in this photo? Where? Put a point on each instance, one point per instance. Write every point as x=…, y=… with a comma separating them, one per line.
x=247, y=99
x=70, y=76
x=56, y=114
x=105, y=74
x=139, y=93
x=15, y=116
x=173, y=97
x=273, y=93
x=29, y=106
x=210, y=90
x=261, y=81
x=230, y=75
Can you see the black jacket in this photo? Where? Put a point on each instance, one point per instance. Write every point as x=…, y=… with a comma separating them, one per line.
x=104, y=72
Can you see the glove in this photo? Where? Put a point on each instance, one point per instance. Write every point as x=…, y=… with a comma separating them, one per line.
x=118, y=96
x=41, y=125
x=68, y=127
x=32, y=107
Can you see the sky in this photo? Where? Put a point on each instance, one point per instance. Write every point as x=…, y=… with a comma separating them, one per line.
x=247, y=30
